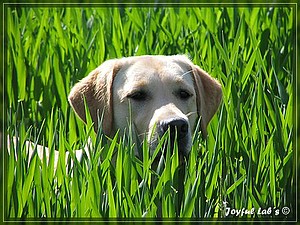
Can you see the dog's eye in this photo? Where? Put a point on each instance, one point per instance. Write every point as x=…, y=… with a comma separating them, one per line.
x=138, y=96
x=184, y=95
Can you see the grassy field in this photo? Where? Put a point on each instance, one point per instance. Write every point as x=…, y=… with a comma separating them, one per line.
x=247, y=161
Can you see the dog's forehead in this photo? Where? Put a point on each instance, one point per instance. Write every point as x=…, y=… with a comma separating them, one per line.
x=153, y=69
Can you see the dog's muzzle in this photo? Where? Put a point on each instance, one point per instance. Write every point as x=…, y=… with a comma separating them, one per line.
x=179, y=132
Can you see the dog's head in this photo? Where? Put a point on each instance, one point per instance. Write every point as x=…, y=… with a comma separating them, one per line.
x=154, y=93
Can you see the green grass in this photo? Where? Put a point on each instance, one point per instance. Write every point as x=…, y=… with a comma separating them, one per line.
x=248, y=159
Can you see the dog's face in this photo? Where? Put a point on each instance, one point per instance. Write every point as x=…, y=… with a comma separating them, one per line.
x=161, y=95
x=153, y=93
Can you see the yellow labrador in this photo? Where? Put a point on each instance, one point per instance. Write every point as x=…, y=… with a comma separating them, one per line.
x=160, y=92
x=163, y=92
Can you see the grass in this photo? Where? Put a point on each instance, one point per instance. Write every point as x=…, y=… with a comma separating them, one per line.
x=247, y=161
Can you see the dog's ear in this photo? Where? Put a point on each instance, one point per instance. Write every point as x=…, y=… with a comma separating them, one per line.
x=208, y=95
x=96, y=89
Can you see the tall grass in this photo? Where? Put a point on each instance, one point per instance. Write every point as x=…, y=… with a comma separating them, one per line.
x=246, y=162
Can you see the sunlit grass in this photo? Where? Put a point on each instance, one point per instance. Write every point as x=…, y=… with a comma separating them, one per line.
x=246, y=161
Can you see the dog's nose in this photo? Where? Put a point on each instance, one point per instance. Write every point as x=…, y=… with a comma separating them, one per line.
x=177, y=126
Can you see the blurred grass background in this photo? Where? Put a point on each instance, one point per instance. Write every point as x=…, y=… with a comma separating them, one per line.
x=248, y=159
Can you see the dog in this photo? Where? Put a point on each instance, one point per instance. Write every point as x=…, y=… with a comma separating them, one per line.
x=157, y=93
x=153, y=93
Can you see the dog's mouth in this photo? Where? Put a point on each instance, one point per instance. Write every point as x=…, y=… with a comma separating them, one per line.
x=162, y=162
x=170, y=146
x=177, y=143
x=161, y=156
